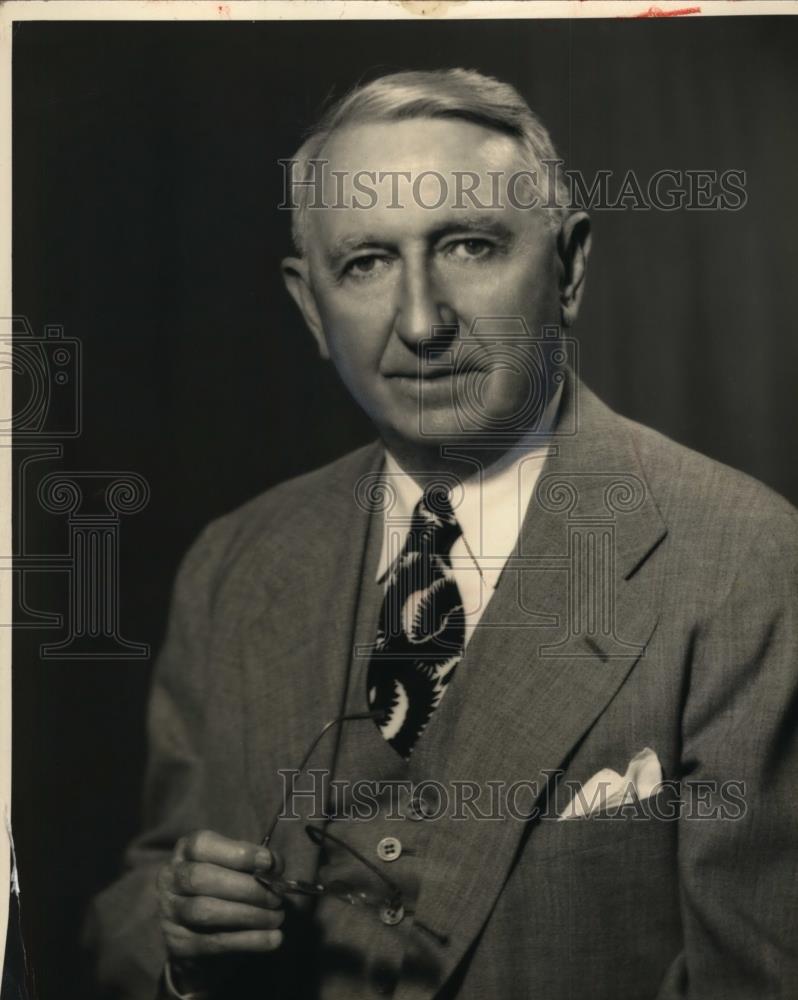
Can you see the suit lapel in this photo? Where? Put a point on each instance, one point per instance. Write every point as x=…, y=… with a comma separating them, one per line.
x=565, y=626
x=297, y=650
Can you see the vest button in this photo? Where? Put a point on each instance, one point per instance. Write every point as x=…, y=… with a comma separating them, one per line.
x=389, y=849
x=392, y=915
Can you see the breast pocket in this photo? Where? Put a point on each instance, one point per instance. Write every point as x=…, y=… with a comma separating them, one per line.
x=650, y=826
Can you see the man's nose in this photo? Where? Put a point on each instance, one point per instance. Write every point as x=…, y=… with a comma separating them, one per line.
x=423, y=311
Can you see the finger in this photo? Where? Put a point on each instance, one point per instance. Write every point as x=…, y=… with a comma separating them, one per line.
x=211, y=847
x=277, y=866
x=196, y=878
x=183, y=943
x=207, y=914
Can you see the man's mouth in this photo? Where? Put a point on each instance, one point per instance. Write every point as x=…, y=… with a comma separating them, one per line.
x=421, y=376
x=431, y=374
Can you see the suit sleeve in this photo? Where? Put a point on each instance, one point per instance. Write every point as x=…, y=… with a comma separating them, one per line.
x=122, y=930
x=738, y=869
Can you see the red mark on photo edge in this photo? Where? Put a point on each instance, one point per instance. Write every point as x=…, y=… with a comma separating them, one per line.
x=223, y=10
x=659, y=12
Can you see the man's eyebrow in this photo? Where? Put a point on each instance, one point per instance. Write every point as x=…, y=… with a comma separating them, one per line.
x=349, y=244
x=371, y=241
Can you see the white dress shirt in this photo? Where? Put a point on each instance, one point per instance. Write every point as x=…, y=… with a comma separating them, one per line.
x=489, y=504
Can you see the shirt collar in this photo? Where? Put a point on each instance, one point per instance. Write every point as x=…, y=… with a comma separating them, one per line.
x=490, y=507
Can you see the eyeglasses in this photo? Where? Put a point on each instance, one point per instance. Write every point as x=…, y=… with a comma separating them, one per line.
x=388, y=902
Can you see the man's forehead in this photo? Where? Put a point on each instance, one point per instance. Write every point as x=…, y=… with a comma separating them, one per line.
x=447, y=145
x=386, y=182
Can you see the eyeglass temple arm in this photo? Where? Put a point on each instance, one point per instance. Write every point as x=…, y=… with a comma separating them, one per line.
x=378, y=716
x=317, y=836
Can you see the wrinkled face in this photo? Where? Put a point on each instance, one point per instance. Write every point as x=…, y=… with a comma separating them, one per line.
x=376, y=282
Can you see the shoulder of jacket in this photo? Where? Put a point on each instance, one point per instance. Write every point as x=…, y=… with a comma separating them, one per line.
x=686, y=482
x=283, y=508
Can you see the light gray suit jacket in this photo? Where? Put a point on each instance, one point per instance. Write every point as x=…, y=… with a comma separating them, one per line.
x=652, y=602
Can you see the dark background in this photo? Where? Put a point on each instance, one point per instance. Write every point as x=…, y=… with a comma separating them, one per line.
x=145, y=222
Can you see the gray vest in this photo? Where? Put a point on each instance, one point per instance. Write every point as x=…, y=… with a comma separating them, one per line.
x=363, y=947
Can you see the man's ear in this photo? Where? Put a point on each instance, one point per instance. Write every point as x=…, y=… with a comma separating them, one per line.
x=297, y=280
x=573, y=246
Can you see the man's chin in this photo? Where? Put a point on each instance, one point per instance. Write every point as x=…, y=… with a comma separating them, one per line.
x=430, y=432
x=424, y=418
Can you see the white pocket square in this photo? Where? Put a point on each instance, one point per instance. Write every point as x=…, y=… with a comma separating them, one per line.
x=607, y=789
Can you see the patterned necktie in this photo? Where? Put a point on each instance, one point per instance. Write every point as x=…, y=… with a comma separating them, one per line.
x=422, y=625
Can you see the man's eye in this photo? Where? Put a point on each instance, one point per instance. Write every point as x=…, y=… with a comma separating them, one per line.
x=365, y=267
x=470, y=249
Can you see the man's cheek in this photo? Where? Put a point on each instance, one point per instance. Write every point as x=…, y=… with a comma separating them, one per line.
x=356, y=365
x=496, y=293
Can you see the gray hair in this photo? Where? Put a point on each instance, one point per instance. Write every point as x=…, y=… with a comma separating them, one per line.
x=447, y=93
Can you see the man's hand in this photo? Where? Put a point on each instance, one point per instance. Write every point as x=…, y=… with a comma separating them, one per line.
x=211, y=904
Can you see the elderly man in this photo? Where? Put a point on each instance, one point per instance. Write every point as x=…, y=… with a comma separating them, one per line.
x=502, y=705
